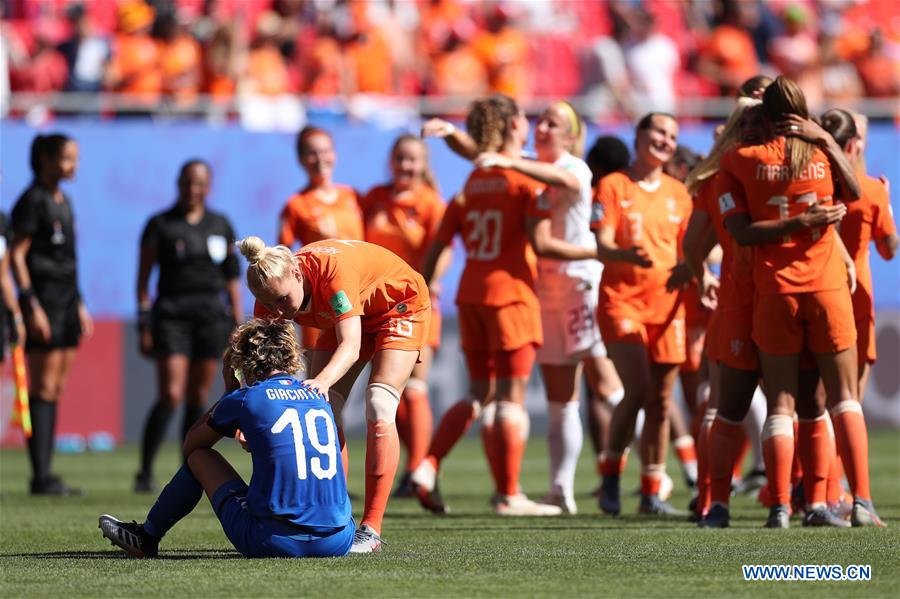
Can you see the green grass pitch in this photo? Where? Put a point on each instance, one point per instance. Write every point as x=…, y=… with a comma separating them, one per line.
x=51, y=547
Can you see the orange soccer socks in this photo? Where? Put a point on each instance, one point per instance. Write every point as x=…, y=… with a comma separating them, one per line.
x=382, y=459
x=852, y=441
x=815, y=448
x=453, y=426
x=415, y=422
x=509, y=444
x=725, y=443
x=778, y=452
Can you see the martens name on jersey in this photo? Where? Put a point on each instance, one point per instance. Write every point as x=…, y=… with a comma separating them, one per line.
x=782, y=172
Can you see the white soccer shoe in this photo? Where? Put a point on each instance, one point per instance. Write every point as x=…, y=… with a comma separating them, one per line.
x=566, y=504
x=366, y=540
x=424, y=484
x=520, y=505
x=666, y=485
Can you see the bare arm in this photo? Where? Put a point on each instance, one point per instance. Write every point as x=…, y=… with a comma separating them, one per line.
x=439, y=270
x=200, y=436
x=609, y=251
x=747, y=232
x=545, y=172
x=349, y=336
x=36, y=319
x=807, y=129
x=548, y=246
x=458, y=141
x=887, y=246
x=435, y=254
x=145, y=266
x=693, y=242
x=8, y=296
x=233, y=289
x=848, y=263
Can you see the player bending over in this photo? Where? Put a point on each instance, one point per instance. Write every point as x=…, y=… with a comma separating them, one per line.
x=297, y=503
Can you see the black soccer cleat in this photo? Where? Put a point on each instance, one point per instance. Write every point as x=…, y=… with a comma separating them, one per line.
x=610, y=499
x=779, y=517
x=129, y=536
x=53, y=485
x=717, y=517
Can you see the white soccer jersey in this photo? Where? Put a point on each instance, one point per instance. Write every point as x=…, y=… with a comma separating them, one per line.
x=570, y=218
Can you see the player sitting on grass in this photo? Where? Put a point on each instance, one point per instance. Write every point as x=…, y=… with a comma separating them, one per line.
x=297, y=503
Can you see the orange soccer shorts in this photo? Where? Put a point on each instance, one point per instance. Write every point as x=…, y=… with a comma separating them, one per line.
x=434, y=329
x=734, y=338
x=499, y=328
x=516, y=363
x=820, y=321
x=406, y=331
x=621, y=323
x=865, y=341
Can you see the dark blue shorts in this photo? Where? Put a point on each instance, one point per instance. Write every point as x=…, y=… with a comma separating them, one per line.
x=267, y=537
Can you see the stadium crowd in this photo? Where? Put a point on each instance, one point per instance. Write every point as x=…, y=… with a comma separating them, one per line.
x=623, y=57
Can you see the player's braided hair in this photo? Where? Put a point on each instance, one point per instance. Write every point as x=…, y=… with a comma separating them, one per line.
x=785, y=97
x=261, y=346
x=265, y=262
x=489, y=121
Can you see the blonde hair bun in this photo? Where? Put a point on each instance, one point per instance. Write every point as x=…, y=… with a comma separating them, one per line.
x=251, y=248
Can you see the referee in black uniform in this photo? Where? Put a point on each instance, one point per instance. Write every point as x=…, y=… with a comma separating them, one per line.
x=44, y=265
x=187, y=328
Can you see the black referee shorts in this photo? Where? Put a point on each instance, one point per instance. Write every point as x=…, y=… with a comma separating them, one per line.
x=197, y=326
x=60, y=303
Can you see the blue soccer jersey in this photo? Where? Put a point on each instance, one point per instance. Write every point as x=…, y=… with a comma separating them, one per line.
x=297, y=470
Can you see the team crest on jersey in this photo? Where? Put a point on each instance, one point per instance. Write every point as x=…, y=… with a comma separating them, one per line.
x=596, y=212
x=340, y=303
x=325, y=315
x=736, y=346
x=726, y=203
x=217, y=246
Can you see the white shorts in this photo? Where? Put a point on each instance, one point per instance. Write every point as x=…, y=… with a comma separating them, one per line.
x=569, y=317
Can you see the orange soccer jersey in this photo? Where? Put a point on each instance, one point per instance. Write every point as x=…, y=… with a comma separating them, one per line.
x=490, y=215
x=634, y=305
x=314, y=215
x=756, y=180
x=867, y=219
x=652, y=219
x=404, y=223
x=355, y=278
x=802, y=300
